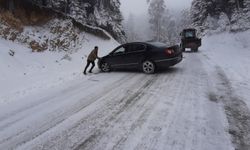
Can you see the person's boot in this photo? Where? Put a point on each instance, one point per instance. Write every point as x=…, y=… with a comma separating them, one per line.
x=90, y=71
x=84, y=73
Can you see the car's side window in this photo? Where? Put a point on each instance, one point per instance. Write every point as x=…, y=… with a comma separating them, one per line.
x=136, y=48
x=120, y=50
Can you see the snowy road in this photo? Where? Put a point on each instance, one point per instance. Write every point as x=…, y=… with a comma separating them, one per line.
x=173, y=110
x=200, y=104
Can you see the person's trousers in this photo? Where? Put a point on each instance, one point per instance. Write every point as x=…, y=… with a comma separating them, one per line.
x=88, y=63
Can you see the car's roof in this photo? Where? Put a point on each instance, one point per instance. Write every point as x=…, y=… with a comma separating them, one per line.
x=135, y=43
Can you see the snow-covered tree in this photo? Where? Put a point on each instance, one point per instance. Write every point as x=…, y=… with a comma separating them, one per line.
x=170, y=28
x=130, y=29
x=97, y=13
x=200, y=10
x=181, y=21
x=221, y=15
x=184, y=20
x=164, y=25
x=156, y=11
x=223, y=22
x=247, y=12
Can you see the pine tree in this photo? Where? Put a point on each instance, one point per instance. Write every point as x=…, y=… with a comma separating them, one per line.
x=247, y=12
x=167, y=25
x=221, y=15
x=156, y=11
x=223, y=22
x=185, y=20
x=130, y=29
x=200, y=10
x=97, y=13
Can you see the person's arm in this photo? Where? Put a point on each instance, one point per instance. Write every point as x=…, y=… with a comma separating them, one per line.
x=97, y=55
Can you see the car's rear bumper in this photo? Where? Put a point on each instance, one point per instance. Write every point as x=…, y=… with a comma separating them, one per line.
x=165, y=63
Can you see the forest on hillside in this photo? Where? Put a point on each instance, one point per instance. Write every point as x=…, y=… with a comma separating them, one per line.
x=211, y=16
x=221, y=15
x=104, y=14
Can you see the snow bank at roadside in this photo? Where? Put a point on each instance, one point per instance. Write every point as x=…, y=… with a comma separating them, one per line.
x=28, y=72
x=231, y=53
x=230, y=41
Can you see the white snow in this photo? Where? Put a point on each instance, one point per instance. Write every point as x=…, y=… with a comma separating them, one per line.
x=231, y=52
x=29, y=72
x=47, y=103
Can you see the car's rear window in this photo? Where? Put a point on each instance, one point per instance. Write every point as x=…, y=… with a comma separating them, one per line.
x=158, y=44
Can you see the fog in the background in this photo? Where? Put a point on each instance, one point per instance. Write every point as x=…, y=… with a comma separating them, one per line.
x=139, y=7
x=139, y=10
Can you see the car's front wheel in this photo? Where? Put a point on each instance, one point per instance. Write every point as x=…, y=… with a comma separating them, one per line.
x=148, y=67
x=105, y=67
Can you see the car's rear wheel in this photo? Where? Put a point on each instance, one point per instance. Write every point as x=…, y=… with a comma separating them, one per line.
x=105, y=67
x=148, y=67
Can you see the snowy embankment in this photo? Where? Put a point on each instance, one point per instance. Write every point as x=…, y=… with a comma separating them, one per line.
x=227, y=60
x=27, y=72
x=231, y=52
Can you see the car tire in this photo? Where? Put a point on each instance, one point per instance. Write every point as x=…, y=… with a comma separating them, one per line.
x=105, y=67
x=148, y=67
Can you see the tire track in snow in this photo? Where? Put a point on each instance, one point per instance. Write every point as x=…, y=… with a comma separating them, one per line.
x=41, y=101
x=184, y=119
x=113, y=120
x=236, y=109
x=54, y=118
x=126, y=121
x=108, y=104
x=164, y=117
x=142, y=112
x=126, y=102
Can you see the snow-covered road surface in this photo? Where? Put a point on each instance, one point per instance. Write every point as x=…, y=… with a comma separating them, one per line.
x=119, y=110
x=200, y=104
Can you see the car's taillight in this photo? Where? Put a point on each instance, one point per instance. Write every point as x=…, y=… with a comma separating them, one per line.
x=169, y=51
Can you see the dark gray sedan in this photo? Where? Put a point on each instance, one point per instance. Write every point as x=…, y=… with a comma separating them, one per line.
x=145, y=56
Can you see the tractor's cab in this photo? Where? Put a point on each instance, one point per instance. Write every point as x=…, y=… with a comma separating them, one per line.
x=189, y=33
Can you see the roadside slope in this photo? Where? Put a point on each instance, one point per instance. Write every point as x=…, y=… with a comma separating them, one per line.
x=27, y=73
x=227, y=58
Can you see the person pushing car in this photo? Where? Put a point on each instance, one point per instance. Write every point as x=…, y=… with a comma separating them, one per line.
x=91, y=59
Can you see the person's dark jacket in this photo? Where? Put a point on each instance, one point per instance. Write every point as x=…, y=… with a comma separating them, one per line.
x=93, y=55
